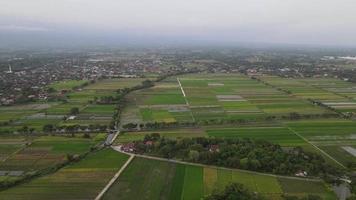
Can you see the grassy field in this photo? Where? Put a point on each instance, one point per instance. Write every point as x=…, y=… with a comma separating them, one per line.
x=151, y=179
x=82, y=180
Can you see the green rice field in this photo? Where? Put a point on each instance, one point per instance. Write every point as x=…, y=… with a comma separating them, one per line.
x=151, y=179
x=82, y=180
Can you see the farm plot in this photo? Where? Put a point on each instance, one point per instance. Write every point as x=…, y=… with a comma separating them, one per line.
x=274, y=134
x=334, y=93
x=67, y=84
x=176, y=133
x=178, y=181
x=330, y=135
x=162, y=103
x=331, y=131
x=45, y=152
x=9, y=145
x=237, y=95
x=344, y=154
x=17, y=112
x=204, y=97
x=82, y=180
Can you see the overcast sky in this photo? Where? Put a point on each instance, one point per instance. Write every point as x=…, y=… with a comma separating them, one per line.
x=329, y=22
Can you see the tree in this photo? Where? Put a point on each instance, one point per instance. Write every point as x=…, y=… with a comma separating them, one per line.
x=234, y=191
x=48, y=128
x=51, y=90
x=193, y=155
x=74, y=111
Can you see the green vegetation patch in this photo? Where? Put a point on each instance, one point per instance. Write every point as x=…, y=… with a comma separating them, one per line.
x=278, y=135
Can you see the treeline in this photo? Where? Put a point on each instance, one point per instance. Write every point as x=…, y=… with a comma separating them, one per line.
x=236, y=191
x=256, y=155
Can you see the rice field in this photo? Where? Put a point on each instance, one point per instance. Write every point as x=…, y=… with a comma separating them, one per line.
x=335, y=93
x=43, y=152
x=202, y=97
x=81, y=180
x=151, y=179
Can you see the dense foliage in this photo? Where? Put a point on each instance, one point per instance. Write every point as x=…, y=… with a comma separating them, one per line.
x=257, y=155
x=234, y=191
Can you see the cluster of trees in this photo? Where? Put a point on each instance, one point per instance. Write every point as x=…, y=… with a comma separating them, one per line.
x=234, y=191
x=74, y=111
x=157, y=125
x=256, y=155
x=72, y=129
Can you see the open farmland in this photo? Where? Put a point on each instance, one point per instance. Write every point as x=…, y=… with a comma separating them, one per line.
x=204, y=97
x=82, y=180
x=151, y=179
x=43, y=152
x=330, y=135
x=335, y=93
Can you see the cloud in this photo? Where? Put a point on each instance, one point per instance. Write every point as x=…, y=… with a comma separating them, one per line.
x=292, y=21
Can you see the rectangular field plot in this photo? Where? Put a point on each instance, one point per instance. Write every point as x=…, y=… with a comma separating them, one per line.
x=6, y=150
x=156, y=115
x=152, y=179
x=176, y=133
x=277, y=135
x=340, y=153
x=82, y=180
x=97, y=110
x=332, y=131
x=144, y=179
x=299, y=187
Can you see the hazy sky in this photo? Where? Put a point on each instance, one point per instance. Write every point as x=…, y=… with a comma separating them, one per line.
x=331, y=22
